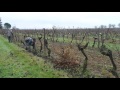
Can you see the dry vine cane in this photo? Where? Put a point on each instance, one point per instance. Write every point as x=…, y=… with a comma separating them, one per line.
x=107, y=52
x=81, y=48
x=46, y=45
x=41, y=46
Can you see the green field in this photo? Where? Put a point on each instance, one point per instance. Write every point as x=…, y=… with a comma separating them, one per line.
x=15, y=62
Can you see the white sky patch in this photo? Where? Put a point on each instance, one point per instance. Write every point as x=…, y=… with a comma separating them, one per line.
x=61, y=19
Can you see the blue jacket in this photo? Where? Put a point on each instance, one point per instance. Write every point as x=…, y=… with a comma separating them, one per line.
x=29, y=41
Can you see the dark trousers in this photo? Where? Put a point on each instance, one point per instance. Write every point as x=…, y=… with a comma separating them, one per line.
x=9, y=38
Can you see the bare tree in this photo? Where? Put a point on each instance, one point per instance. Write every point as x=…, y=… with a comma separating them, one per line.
x=113, y=25
x=119, y=25
x=110, y=26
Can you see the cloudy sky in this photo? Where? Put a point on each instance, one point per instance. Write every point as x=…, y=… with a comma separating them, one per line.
x=32, y=20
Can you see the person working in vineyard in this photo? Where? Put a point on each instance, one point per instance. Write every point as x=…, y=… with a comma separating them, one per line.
x=9, y=35
x=29, y=41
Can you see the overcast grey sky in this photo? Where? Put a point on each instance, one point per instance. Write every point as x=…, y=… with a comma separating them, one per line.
x=32, y=20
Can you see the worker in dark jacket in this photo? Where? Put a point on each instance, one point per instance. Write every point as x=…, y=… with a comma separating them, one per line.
x=9, y=35
x=29, y=41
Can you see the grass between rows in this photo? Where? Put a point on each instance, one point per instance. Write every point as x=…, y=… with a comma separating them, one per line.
x=15, y=62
